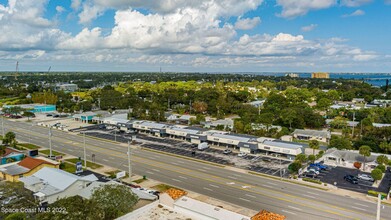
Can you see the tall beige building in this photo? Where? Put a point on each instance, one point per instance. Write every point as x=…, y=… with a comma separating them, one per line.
x=320, y=75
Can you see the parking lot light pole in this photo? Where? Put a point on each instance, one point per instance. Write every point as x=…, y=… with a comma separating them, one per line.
x=84, y=146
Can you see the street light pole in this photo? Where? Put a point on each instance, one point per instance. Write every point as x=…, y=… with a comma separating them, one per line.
x=2, y=125
x=378, y=206
x=129, y=164
x=84, y=146
x=50, y=141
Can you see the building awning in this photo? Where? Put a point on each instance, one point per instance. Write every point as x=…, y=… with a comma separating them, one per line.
x=39, y=194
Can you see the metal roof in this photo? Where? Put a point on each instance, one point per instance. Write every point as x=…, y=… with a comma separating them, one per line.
x=314, y=133
x=282, y=145
x=231, y=137
x=14, y=170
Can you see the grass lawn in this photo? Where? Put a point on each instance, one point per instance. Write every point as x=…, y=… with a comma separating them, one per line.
x=70, y=168
x=89, y=164
x=29, y=146
x=139, y=180
x=163, y=187
x=54, y=153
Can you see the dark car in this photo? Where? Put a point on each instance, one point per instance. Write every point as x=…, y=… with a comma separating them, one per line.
x=351, y=179
x=227, y=151
x=49, y=115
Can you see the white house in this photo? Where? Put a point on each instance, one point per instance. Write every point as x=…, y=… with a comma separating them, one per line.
x=50, y=184
x=301, y=134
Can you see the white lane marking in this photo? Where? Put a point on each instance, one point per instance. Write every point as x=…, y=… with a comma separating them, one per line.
x=180, y=162
x=206, y=168
x=359, y=208
x=312, y=197
x=245, y=187
x=250, y=196
x=312, y=193
x=70, y=150
x=214, y=186
x=267, y=186
x=177, y=180
x=106, y=160
x=202, y=170
x=245, y=200
x=271, y=183
x=361, y=205
x=232, y=177
x=182, y=177
x=208, y=189
x=152, y=158
x=149, y=172
x=292, y=207
x=157, y=156
x=292, y=213
x=236, y=175
x=174, y=163
x=156, y=170
x=231, y=183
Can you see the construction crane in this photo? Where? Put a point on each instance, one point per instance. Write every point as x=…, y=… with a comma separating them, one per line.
x=17, y=69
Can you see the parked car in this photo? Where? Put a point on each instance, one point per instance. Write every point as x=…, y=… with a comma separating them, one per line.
x=49, y=115
x=315, y=168
x=311, y=169
x=227, y=151
x=242, y=154
x=351, y=179
x=310, y=174
x=366, y=177
x=203, y=146
x=321, y=166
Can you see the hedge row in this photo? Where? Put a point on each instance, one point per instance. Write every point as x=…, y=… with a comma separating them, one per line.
x=375, y=193
x=312, y=180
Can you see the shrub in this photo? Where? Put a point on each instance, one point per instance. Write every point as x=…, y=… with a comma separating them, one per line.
x=376, y=174
x=312, y=180
x=357, y=165
x=381, y=167
x=375, y=193
x=294, y=167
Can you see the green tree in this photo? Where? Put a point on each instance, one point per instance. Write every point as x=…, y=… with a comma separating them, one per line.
x=10, y=139
x=366, y=152
x=340, y=142
x=376, y=174
x=312, y=158
x=302, y=158
x=295, y=167
x=323, y=103
x=28, y=114
x=115, y=200
x=16, y=216
x=314, y=145
x=386, y=147
x=382, y=159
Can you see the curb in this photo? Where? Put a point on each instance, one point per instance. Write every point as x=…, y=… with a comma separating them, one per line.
x=184, y=157
x=101, y=139
x=286, y=180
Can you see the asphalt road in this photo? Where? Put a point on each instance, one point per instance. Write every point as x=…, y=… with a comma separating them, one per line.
x=253, y=192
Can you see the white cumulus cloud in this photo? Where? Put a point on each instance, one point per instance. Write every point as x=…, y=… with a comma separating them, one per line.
x=247, y=23
x=355, y=3
x=308, y=28
x=291, y=9
x=357, y=12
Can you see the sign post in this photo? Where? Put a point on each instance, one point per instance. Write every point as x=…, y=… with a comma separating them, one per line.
x=79, y=167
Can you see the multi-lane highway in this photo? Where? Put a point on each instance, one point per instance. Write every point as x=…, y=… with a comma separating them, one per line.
x=240, y=188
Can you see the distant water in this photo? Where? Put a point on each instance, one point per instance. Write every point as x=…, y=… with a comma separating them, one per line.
x=375, y=79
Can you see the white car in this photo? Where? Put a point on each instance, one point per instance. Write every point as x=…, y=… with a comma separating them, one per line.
x=313, y=170
x=242, y=154
x=365, y=177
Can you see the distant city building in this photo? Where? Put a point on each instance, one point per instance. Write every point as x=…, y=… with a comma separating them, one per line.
x=67, y=87
x=292, y=75
x=320, y=75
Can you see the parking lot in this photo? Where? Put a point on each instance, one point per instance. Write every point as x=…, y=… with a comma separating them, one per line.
x=336, y=175
x=257, y=163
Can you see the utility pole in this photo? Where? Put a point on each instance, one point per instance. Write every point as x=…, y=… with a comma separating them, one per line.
x=50, y=141
x=378, y=206
x=129, y=164
x=2, y=125
x=84, y=146
x=115, y=135
x=354, y=118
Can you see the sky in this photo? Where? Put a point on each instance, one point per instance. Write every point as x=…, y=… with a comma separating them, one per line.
x=196, y=35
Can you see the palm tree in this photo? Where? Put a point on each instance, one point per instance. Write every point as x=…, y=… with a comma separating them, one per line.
x=366, y=152
x=314, y=145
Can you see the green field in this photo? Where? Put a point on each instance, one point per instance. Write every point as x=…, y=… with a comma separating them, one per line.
x=89, y=164
x=29, y=146
x=54, y=153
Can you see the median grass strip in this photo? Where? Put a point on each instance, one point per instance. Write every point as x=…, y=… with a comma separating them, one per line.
x=54, y=153
x=89, y=164
x=312, y=180
x=29, y=146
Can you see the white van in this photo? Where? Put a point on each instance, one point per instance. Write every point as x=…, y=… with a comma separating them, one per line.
x=203, y=146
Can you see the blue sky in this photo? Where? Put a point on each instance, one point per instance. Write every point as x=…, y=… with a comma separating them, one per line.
x=198, y=35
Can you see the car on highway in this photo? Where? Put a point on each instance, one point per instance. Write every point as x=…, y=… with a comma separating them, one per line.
x=227, y=151
x=242, y=154
x=366, y=177
x=351, y=179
